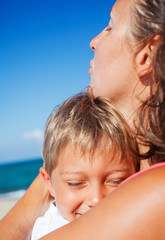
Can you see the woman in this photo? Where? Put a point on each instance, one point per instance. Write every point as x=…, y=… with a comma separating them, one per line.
x=128, y=67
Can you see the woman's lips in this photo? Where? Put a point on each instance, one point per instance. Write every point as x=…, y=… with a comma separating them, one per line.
x=90, y=71
x=91, y=66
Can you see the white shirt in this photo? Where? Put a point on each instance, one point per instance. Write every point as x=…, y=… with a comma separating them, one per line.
x=51, y=220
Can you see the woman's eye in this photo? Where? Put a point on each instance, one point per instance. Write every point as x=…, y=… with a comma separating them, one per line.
x=108, y=28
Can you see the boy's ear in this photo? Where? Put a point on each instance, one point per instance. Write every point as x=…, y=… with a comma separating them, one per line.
x=47, y=179
x=144, y=58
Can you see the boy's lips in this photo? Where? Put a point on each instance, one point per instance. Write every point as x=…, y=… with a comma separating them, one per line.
x=81, y=211
x=78, y=214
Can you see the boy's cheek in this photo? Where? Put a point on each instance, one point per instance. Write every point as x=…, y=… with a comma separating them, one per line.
x=68, y=205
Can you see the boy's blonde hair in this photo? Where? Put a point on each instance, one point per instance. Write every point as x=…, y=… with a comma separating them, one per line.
x=91, y=124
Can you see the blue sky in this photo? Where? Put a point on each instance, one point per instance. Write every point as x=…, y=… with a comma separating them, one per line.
x=44, y=59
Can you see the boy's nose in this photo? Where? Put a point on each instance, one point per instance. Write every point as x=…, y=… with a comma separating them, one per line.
x=95, y=196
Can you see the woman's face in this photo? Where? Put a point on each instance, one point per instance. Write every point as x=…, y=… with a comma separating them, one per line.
x=112, y=72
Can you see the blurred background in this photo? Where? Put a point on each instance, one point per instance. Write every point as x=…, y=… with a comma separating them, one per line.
x=44, y=59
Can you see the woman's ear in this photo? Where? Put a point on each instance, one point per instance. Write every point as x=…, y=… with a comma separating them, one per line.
x=144, y=59
x=47, y=179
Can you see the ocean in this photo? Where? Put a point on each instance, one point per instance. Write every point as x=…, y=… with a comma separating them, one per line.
x=16, y=177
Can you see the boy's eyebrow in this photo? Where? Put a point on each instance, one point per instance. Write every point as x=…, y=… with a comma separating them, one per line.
x=106, y=172
x=125, y=169
x=70, y=172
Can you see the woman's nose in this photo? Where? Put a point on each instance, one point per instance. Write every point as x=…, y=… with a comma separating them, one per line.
x=95, y=196
x=94, y=42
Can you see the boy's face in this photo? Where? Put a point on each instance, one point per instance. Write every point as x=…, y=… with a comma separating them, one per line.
x=79, y=182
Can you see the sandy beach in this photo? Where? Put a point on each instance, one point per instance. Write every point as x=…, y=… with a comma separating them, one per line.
x=6, y=205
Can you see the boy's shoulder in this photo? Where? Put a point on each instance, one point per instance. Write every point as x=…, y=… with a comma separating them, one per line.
x=50, y=221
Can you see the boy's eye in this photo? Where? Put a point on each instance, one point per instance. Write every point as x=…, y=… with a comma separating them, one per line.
x=76, y=184
x=115, y=183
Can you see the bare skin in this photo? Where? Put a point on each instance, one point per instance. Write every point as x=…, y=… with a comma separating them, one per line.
x=22, y=217
x=136, y=210
x=138, y=215
x=112, y=70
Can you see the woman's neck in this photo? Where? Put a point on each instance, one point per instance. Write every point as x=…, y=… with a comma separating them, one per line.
x=130, y=111
x=130, y=105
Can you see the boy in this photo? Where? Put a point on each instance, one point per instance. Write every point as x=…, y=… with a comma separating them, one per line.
x=88, y=151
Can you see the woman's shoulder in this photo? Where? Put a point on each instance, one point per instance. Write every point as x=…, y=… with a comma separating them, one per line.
x=155, y=173
x=157, y=166
x=156, y=170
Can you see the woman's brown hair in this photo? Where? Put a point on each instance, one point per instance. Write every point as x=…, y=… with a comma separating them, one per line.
x=149, y=21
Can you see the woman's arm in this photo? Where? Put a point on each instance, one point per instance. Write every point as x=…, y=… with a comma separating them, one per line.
x=135, y=210
x=18, y=223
